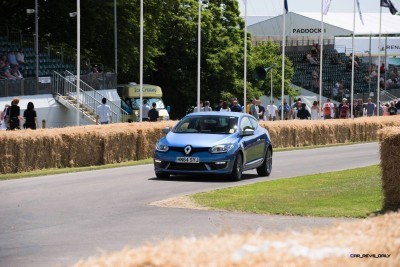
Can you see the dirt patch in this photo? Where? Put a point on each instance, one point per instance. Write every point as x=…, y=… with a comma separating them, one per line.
x=182, y=202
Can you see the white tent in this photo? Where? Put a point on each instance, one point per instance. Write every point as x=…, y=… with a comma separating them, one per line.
x=335, y=24
x=297, y=25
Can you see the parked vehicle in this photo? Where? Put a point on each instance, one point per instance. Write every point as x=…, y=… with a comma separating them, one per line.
x=225, y=143
x=130, y=96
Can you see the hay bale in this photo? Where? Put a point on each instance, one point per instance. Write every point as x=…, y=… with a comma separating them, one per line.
x=334, y=246
x=390, y=162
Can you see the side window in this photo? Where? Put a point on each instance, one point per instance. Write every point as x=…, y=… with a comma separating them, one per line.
x=254, y=123
x=245, y=124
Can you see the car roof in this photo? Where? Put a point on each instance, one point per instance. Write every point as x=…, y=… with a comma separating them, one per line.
x=219, y=113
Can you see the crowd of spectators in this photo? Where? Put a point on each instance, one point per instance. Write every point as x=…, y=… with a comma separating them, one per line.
x=11, y=65
x=299, y=109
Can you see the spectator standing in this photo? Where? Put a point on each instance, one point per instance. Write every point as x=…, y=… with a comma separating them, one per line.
x=272, y=111
x=219, y=105
x=328, y=109
x=315, y=111
x=303, y=113
x=233, y=101
x=370, y=108
x=103, y=113
x=30, y=117
x=153, y=113
x=146, y=108
x=254, y=109
x=392, y=110
x=358, y=109
x=236, y=107
x=261, y=109
x=196, y=109
x=286, y=110
x=344, y=109
x=15, y=114
x=385, y=109
x=206, y=106
x=225, y=107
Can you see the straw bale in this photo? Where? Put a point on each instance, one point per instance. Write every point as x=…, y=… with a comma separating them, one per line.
x=328, y=246
x=27, y=150
x=390, y=162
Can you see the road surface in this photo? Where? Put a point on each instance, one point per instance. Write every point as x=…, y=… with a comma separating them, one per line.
x=59, y=219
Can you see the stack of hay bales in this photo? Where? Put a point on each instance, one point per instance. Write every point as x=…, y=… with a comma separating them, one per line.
x=297, y=133
x=390, y=162
x=28, y=150
x=360, y=243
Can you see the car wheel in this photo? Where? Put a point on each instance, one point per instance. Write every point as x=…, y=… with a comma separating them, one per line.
x=266, y=168
x=236, y=174
x=161, y=175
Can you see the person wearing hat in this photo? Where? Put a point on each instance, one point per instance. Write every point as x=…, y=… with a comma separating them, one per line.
x=344, y=109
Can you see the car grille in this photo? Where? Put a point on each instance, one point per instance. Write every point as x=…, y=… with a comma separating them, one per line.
x=194, y=149
x=187, y=166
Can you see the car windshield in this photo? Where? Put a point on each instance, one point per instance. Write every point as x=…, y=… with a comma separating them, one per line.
x=150, y=101
x=207, y=124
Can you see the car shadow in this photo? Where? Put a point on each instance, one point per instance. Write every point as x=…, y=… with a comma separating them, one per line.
x=205, y=179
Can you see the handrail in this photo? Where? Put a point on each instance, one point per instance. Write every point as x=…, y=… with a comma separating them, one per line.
x=84, y=86
x=64, y=87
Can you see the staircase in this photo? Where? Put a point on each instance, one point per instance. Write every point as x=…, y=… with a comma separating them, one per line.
x=385, y=96
x=65, y=92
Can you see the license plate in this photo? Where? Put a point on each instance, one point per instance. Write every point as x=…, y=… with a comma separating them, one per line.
x=187, y=160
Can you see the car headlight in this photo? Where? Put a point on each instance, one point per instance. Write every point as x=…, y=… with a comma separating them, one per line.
x=160, y=146
x=221, y=148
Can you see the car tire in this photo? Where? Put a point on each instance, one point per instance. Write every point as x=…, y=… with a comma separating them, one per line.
x=237, y=170
x=266, y=168
x=161, y=175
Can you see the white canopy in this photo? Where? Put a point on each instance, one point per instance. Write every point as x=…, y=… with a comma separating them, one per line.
x=296, y=25
x=335, y=24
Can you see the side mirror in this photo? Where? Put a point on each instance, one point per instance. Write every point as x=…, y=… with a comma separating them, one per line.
x=166, y=130
x=248, y=132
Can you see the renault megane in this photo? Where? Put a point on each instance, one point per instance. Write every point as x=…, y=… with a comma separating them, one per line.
x=225, y=143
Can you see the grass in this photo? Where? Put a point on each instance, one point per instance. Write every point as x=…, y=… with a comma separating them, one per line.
x=349, y=193
x=69, y=170
x=45, y=172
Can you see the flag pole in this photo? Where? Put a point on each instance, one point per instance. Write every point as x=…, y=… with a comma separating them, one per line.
x=352, y=60
x=78, y=59
x=379, y=64
x=141, y=61
x=198, y=56
x=283, y=60
x=245, y=59
x=321, y=53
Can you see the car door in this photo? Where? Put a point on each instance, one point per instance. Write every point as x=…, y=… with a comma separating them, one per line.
x=249, y=142
x=260, y=144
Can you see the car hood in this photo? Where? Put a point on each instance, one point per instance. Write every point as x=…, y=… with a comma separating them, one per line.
x=198, y=140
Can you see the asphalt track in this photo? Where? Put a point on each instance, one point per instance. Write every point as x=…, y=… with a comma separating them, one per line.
x=57, y=220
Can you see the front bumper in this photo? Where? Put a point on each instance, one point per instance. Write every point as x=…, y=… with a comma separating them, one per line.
x=165, y=162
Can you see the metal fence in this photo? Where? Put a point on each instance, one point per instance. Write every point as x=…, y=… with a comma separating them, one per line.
x=25, y=86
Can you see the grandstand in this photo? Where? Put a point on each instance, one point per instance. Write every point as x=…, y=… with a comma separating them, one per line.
x=303, y=31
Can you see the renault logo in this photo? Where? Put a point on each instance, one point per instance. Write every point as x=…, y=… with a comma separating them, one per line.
x=187, y=149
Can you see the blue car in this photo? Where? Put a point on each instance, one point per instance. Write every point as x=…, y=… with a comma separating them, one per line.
x=222, y=143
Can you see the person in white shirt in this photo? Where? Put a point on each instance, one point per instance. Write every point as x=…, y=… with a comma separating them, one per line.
x=199, y=108
x=103, y=113
x=145, y=111
x=272, y=111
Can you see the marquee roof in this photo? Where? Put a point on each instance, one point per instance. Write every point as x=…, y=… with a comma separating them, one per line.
x=335, y=24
